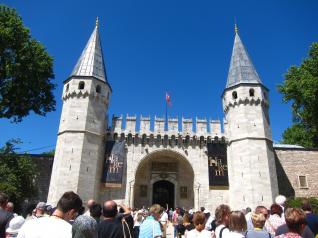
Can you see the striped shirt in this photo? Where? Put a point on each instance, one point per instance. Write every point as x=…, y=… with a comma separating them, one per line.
x=150, y=228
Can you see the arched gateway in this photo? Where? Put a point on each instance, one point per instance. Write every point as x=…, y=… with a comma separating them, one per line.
x=164, y=177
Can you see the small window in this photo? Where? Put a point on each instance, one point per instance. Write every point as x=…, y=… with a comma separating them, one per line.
x=98, y=89
x=265, y=95
x=81, y=85
x=183, y=192
x=252, y=92
x=234, y=95
x=107, y=95
x=303, y=181
x=143, y=191
x=67, y=87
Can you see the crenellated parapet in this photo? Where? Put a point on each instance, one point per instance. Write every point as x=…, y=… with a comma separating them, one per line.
x=84, y=94
x=151, y=130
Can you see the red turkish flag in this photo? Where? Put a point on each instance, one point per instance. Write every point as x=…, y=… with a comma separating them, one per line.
x=168, y=99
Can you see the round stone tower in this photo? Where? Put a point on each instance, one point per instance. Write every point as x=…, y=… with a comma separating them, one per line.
x=79, y=153
x=251, y=163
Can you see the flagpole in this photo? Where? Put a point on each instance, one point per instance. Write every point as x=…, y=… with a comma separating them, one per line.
x=166, y=122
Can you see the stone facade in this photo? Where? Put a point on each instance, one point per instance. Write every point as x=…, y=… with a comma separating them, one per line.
x=169, y=162
x=292, y=165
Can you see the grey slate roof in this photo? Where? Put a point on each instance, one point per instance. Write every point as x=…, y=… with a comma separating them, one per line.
x=241, y=67
x=91, y=62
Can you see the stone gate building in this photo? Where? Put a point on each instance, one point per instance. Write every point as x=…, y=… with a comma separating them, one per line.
x=180, y=163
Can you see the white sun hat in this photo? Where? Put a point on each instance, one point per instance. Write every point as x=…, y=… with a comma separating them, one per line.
x=15, y=225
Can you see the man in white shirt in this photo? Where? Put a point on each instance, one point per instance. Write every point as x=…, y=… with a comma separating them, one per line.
x=56, y=225
x=164, y=221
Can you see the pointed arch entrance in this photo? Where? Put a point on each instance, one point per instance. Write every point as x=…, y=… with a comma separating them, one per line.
x=164, y=177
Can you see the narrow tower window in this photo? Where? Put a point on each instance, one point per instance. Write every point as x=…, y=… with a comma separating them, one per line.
x=252, y=92
x=98, y=89
x=81, y=85
x=67, y=87
x=234, y=95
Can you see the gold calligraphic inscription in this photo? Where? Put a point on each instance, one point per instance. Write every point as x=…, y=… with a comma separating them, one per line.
x=114, y=164
x=217, y=165
x=161, y=166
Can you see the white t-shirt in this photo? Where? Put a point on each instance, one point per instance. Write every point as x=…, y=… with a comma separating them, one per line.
x=196, y=234
x=232, y=235
x=225, y=231
x=164, y=217
x=46, y=227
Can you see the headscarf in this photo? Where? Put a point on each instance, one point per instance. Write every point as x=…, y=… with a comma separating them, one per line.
x=84, y=227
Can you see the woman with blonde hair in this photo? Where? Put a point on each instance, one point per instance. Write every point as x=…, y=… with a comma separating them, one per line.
x=258, y=220
x=237, y=225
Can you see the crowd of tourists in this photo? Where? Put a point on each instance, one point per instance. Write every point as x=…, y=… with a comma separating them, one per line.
x=69, y=219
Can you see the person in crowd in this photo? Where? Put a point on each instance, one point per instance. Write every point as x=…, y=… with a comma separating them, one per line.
x=258, y=209
x=187, y=222
x=89, y=204
x=164, y=222
x=40, y=210
x=237, y=225
x=199, y=231
x=281, y=200
x=14, y=226
x=5, y=216
x=10, y=208
x=150, y=228
x=56, y=225
x=222, y=214
x=175, y=215
x=137, y=222
x=180, y=227
x=275, y=219
x=311, y=219
x=258, y=220
x=295, y=221
x=96, y=212
x=112, y=226
x=84, y=227
x=170, y=214
x=307, y=233
x=248, y=213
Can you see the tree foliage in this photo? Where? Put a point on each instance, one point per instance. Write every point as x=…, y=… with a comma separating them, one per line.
x=300, y=87
x=17, y=173
x=26, y=70
x=297, y=203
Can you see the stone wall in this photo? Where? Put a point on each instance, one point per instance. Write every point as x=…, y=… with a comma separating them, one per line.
x=292, y=163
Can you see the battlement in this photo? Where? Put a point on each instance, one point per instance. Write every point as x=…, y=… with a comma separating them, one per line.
x=156, y=125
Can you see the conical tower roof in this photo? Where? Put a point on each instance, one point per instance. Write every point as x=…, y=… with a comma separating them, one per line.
x=241, y=69
x=91, y=62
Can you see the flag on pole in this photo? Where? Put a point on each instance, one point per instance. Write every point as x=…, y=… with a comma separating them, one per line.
x=168, y=99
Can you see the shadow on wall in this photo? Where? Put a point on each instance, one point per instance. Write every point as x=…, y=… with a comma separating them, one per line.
x=284, y=186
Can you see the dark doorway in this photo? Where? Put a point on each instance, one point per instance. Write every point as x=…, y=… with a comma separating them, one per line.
x=163, y=193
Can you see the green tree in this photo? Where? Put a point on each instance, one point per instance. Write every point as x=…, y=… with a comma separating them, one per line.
x=26, y=70
x=17, y=174
x=300, y=87
x=49, y=153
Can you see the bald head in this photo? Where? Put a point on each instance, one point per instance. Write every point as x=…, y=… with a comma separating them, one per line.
x=10, y=207
x=110, y=209
x=90, y=203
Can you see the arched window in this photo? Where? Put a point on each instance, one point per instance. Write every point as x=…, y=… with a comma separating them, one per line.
x=81, y=85
x=67, y=87
x=252, y=92
x=234, y=95
x=98, y=89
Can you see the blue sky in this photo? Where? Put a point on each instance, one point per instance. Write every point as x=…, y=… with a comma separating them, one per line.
x=150, y=47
